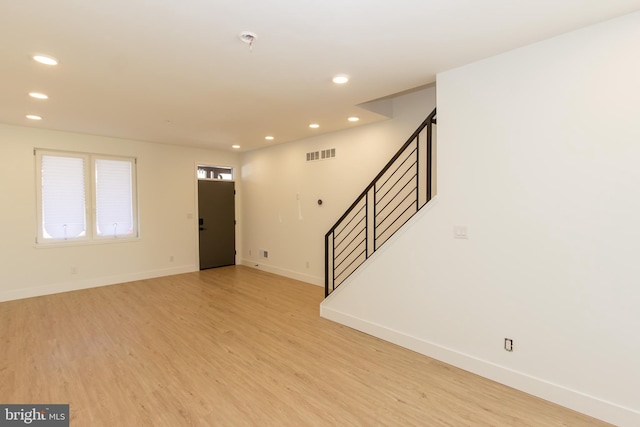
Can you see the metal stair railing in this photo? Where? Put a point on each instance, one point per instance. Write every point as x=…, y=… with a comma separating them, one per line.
x=396, y=194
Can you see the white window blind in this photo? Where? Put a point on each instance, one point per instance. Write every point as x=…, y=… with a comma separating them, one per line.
x=114, y=201
x=85, y=197
x=63, y=197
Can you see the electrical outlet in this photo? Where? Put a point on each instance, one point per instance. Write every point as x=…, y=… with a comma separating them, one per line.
x=74, y=270
x=171, y=258
x=508, y=344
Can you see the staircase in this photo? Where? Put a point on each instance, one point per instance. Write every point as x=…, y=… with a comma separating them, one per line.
x=396, y=194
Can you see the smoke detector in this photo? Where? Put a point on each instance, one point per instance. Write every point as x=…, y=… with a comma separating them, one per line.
x=248, y=37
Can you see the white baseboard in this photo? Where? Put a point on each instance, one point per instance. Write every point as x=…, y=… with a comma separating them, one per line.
x=93, y=282
x=572, y=399
x=307, y=278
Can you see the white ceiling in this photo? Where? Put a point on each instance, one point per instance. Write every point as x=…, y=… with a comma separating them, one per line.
x=175, y=71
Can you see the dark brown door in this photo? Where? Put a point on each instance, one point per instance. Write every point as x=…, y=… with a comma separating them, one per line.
x=217, y=221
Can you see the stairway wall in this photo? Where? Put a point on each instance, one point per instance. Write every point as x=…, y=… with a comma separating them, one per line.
x=538, y=155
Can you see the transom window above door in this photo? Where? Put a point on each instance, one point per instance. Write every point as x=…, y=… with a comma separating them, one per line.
x=215, y=172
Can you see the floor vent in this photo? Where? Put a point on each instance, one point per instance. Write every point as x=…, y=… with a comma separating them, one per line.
x=321, y=155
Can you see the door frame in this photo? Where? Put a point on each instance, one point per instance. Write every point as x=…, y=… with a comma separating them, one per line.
x=194, y=216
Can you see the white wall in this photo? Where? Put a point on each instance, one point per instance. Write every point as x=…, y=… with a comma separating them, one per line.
x=167, y=196
x=538, y=153
x=281, y=189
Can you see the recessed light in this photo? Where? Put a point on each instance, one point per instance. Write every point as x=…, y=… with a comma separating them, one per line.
x=33, y=117
x=269, y=138
x=340, y=79
x=235, y=146
x=38, y=95
x=353, y=119
x=47, y=60
x=314, y=126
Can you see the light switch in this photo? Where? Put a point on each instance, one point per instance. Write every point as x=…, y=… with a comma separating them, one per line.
x=460, y=232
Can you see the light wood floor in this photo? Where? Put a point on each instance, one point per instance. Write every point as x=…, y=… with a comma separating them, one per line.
x=234, y=347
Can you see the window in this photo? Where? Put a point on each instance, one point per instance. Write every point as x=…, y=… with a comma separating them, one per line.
x=85, y=197
x=215, y=172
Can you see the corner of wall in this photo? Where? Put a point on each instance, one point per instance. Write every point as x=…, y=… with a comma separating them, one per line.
x=307, y=278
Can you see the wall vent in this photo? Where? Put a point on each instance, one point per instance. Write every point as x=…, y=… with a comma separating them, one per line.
x=321, y=155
